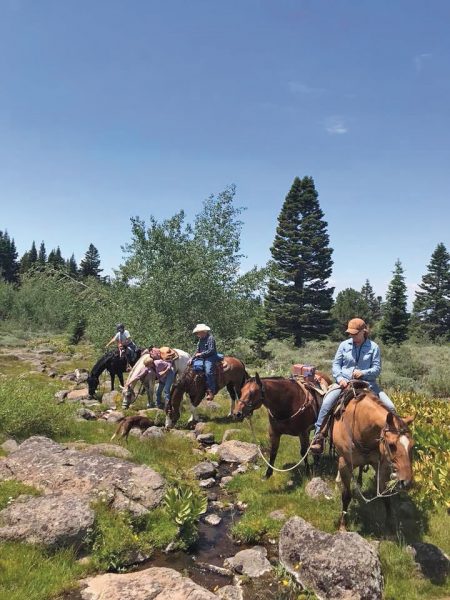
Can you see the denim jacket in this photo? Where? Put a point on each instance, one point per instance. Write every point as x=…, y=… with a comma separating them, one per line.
x=207, y=347
x=365, y=357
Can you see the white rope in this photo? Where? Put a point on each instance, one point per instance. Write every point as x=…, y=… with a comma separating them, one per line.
x=264, y=458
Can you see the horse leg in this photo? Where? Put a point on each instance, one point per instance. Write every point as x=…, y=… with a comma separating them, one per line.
x=120, y=376
x=233, y=396
x=113, y=376
x=274, y=445
x=346, y=478
x=193, y=419
x=304, y=445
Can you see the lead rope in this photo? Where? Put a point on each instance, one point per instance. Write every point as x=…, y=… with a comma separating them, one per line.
x=264, y=458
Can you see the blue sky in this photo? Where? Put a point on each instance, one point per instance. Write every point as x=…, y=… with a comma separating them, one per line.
x=111, y=109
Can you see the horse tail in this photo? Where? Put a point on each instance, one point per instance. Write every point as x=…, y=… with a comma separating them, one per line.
x=118, y=430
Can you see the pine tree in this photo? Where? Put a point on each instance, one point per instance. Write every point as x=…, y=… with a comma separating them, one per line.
x=42, y=256
x=33, y=253
x=373, y=304
x=349, y=304
x=431, y=310
x=9, y=267
x=28, y=259
x=298, y=302
x=90, y=264
x=394, y=325
x=55, y=259
x=71, y=265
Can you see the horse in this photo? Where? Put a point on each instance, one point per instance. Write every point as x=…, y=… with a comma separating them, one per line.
x=366, y=433
x=292, y=409
x=114, y=363
x=128, y=392
x=194, y=384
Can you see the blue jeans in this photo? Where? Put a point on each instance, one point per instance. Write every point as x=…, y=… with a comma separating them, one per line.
x=209, y=373
x=330, y=400
x=164, y=386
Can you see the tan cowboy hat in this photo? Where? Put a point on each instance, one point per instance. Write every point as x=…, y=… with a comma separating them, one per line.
x=201, y=327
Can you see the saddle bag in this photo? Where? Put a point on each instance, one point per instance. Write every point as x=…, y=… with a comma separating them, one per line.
x=308, y=372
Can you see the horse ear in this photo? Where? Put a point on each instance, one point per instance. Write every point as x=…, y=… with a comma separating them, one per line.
x=408, y=420
x=390, y=422
x=258, y=379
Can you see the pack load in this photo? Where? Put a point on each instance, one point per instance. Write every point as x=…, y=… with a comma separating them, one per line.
x=307, y=372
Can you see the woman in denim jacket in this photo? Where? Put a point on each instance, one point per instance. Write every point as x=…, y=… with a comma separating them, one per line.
x=356, y=358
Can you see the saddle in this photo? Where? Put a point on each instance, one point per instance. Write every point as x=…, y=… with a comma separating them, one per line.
x=312, y=390
x=357, y=390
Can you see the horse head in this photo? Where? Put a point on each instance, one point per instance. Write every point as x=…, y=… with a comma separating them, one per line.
x=128, y=396
x=396, y=446
x=252, y=394
x=93, y=383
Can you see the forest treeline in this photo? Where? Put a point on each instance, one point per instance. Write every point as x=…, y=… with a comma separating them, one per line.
x=177, y=273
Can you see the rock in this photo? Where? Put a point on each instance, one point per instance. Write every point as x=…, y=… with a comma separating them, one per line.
x=252, y=562
x=230, y=433
x=44, y=351
x=213, y=449
x=104, y=449
x=190, y=435
x=9, y=446
x=206, y=438
x=212, y=406
x=81, y=375
x=339, y=566
x=90, y=403
x=230, y=592
x=207, y=483
x=61, y=395
x=51, y=468
x=238, y=452
x=55, y=520
x=52, y=373
x=200, y=428
x=225, y=480
x=213, y=520
x=85, y=413
x=156, y=583
x=114, y=417
x=434, y=564
x=212, y=496
x=112, y=399
x=153, y=432
x=318, y=488
x=278, y=515
x=241, y=469
x=68, y=377
x=204, y=470
x=77, y=395
x=241, y=506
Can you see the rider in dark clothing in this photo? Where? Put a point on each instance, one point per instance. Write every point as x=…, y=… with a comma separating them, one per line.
x=206, y=350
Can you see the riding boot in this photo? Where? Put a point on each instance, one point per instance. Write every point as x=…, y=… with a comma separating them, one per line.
x=318, y=443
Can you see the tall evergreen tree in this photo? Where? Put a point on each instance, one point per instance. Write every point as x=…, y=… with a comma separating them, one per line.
x=373, y=304
x=72, y=267
x=42, y=255
x=394, y=325
x=298, y=302
x=349, y=303
x=9, y=266
x=431, y=310
x=55, y=259
x=90, y=264
x=28, y=259
x=33, y=253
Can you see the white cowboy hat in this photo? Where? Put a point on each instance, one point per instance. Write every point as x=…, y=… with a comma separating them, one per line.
x=201, y=327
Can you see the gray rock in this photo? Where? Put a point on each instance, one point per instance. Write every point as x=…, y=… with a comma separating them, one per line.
x=338, y=567
x=230, y=433
x=241, y=469
x=112, y=399
x=318, y=488
x=278, y=515
x=204, y=470
x=207, y=483
x=54, y=520
x=156, y=583
x=433, y=562
x=114, y=417
x=52, y=373
x=213, y=449
x=252, y=562
x=213, y=520
x=153, y=432
x=200, y=428
x=85, y=413
x=105, y=449
x=206, y=438
x=9, y=446
x=225, y=480
x=61, y=395
x=68, y=377
x=81, y=375
x=90, y=403
x=236, y=451
x=51, y=468
x=230, y=592
x=77, y=395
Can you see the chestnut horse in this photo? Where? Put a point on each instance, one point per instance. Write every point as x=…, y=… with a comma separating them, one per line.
x=292, y=409
x=368, y=434
x=194, y=384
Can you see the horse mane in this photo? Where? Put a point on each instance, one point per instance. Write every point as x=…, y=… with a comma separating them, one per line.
x=101, y=364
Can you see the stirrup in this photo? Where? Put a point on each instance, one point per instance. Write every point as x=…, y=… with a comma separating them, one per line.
x=317, y=444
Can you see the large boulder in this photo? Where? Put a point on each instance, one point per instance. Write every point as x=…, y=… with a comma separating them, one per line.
x=318, y=488
x=112, y=399
x=156, y=583
x=434, y=564
x=338, y=567
x=252, y=562
x=56, y=520
x=51, y=467
x=235, y=451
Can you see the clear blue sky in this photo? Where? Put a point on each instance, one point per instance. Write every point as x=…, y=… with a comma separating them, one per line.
x=110, y=109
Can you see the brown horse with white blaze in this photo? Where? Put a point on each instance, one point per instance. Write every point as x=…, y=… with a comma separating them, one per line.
x=292, y=409
x=194, y=384
x=368, y=434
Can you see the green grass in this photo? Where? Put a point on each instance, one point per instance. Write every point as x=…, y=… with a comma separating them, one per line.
x=11, y=489
x=29, y=572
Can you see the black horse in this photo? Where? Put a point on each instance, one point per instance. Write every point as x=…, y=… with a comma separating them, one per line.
x=115, y=363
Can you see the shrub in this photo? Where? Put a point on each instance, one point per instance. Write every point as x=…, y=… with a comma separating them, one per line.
x=184, y=508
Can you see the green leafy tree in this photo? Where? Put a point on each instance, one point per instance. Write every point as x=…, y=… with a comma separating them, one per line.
x=9, y=266
x=373, y=303
x=394, y=324
x=42, y=255
x=349, y=303
x=299, y=300
x=90, y=264
x=431, y=310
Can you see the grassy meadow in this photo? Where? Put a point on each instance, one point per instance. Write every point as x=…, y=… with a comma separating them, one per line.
x=417, y=379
